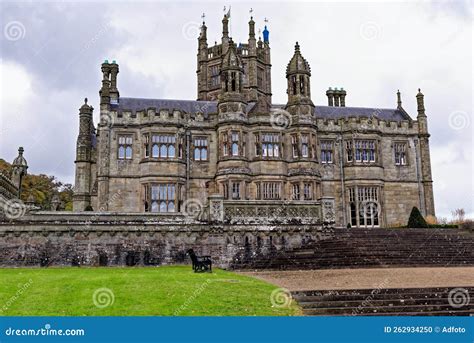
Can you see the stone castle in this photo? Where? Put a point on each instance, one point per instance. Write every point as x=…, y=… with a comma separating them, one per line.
x=230, y=175
x=161, y=156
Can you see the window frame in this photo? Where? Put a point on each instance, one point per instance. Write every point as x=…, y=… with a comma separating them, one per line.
x=203, y=145
x=325, y=149
x=125, y=146
x=154, y=199
x=403, y=157
x=164, y=142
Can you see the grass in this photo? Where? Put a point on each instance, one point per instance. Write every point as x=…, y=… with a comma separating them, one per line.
x=158, y=291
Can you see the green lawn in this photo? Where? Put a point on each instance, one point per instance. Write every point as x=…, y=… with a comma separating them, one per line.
x=161, y=291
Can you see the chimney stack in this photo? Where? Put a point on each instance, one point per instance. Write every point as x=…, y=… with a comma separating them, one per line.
x=336, y=97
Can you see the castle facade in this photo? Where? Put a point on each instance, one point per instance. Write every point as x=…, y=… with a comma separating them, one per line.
x=160, y=156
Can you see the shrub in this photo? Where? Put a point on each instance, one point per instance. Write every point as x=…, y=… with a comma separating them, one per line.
x=467, y=225
x=443, y=226
x=416, y=220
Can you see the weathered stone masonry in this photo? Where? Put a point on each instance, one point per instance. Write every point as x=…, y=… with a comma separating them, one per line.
x=61, y=239
x=234, y=142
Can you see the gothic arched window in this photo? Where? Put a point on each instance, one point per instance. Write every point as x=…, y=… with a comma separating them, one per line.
x=171, y=151
x=235, y=143
x=155, y=152
x=125, y=147
x=128, y=152
x=163, y=151
x=233, y=81
x=121, y=152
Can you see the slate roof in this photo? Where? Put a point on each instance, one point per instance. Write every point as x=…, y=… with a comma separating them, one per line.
x=206, y=107
x=188, y=106
x=332, y=112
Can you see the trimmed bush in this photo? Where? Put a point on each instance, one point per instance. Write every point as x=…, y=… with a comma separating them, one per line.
x=416, y=220
x=443, y=226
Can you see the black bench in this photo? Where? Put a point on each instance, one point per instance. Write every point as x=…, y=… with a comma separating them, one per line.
x=200, y=263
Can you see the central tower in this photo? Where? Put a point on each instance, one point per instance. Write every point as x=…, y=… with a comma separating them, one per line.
x=256, y=65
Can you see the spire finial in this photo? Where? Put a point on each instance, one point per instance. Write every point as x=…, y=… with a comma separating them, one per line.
x=297, y=47
x=203, y=16
x=250, y=12
x=399, y=99
x=20, y=150
x=85, y=101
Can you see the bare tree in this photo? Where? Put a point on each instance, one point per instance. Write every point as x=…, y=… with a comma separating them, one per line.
x=458, y=215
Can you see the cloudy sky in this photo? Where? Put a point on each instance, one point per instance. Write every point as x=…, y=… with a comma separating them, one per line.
x=51, y=54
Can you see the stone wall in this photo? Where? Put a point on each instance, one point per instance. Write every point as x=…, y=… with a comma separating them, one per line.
x=114, y=239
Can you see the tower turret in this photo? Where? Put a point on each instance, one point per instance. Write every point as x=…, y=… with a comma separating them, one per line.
x=422, y=119
x=425, y=161
x=202, y=63
x=298, y=73
x=84, y=146
x=225, y=34
x=231, y=98
x=399, y=99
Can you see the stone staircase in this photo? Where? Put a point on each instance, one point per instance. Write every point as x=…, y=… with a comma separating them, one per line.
x=366, y=248
x=388, y=302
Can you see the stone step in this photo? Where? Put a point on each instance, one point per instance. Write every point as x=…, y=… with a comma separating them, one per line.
x=383, y=309
x=402, y=313
x=373, y=302
x=381, y=291
x=430, y=301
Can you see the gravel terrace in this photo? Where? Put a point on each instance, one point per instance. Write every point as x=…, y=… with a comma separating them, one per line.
x=328, y=279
